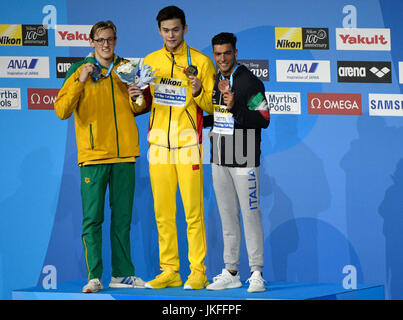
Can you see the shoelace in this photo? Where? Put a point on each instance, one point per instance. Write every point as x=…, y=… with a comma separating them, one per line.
x=251, y=279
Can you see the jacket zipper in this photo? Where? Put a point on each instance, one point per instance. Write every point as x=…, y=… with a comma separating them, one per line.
x=170, y=107
x=194, y=128
x=91, y=137
x=152, y=121
x=114, y=113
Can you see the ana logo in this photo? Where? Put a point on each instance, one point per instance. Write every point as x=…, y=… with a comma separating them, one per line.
x=303, y=71
x=363, y=39
x=385, y=104
x=303, y=67
x=24, y=67
x=22, y=64
x=364, y=71
x=335, y=103
x=72, y=35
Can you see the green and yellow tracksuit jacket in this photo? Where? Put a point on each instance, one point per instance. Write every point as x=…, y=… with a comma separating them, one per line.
x=106, y=131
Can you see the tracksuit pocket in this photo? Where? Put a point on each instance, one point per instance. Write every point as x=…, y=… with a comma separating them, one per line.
x=91, y=137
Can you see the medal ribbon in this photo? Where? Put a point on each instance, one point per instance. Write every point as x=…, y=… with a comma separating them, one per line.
x=231, y=77
x=109, y=69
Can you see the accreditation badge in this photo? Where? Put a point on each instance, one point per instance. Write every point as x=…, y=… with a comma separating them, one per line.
x=223, y=120
x=171, y=92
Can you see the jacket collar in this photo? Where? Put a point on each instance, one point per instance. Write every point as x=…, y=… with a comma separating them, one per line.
x=91, y=58
x=181, y=51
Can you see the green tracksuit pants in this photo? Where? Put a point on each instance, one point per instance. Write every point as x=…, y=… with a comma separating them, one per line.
x=94, y=181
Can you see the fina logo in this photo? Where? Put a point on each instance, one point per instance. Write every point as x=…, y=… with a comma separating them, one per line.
x=22, y=64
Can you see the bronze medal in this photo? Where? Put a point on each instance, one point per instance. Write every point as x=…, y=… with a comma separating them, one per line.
x=223, y=86
x=191, y=71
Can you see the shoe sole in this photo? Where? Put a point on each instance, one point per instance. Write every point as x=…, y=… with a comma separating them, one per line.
x=149, y=286
x=122, y=285
x=234, y=286
x=92, y=291
x=189, y=287
x=260, y=290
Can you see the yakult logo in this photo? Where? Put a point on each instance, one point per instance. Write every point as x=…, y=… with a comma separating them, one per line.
x=335, y=103
x=42, y=99
x=363, y=39
x=72, y=35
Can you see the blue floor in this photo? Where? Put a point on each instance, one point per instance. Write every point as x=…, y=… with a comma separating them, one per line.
x=275, y=291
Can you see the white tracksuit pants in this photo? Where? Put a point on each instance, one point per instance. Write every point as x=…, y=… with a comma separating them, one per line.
x=234, y=188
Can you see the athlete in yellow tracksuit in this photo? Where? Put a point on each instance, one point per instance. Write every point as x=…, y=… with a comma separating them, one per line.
x=175, y=157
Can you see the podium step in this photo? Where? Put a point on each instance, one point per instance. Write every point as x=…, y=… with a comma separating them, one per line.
x=275, y=291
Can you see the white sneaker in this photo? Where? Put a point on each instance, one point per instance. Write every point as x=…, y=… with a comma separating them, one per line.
x=126, y=282
x=94, y=285
x=225, y=280
x=256, y=282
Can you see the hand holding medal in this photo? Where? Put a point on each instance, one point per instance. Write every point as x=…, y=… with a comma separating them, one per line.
x=228, y=96
x=192, y=72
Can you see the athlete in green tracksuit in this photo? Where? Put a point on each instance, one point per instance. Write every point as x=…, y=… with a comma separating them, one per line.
x=107, y=143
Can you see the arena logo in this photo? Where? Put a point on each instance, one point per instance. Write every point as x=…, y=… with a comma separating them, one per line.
x=385, y=104
x=260, y=68
x=284, y=102
x=63, y=64
x=363, y=39
x=302, y=38
x=24, y=67
x=72, y=35
x=41, y=99
x=335, y=103
x=364, y=71
x=10, y=99
x=303, y=70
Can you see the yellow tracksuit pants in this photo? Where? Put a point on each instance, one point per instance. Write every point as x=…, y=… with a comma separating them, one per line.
x=168, y=169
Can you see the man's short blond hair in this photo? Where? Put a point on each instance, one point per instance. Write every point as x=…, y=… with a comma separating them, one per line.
x=102, y=25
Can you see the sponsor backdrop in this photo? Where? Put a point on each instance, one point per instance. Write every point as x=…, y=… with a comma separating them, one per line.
x=332, y=158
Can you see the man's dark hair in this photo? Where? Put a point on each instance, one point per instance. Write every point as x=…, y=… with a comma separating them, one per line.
x=171, y=12
x=224, y=38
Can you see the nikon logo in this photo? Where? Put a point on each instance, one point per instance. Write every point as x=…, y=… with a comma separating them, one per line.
x=286, y=44
x=171, y=82
x=6, y=40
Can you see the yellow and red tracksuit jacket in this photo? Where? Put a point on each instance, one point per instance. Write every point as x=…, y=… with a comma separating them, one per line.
x=174, y=111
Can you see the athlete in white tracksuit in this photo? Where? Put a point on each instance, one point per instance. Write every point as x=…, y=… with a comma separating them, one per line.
x=240, y=112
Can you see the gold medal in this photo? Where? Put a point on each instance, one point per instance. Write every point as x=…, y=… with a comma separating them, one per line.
x=223, y=86
x=191, y=71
